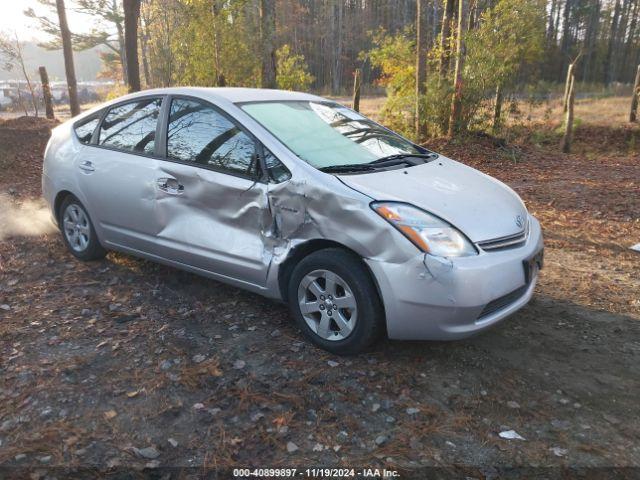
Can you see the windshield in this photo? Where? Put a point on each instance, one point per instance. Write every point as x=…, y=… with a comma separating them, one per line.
x=326, y=134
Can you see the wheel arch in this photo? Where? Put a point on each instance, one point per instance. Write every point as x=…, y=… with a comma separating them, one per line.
x=57, y=203
x=304, y=249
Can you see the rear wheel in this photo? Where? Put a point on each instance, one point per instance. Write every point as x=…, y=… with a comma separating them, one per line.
x=77, y=231
x=335, y=303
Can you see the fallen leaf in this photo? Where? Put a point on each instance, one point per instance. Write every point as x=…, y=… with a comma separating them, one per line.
x=511, y=435
x=109, y=414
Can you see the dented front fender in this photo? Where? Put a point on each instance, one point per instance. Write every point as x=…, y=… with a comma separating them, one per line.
x=303, y=210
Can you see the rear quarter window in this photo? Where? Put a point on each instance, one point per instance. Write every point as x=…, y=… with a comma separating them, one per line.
x=84, y=130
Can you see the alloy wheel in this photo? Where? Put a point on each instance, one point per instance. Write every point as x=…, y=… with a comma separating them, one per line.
x=327, y=304
x=77, y=231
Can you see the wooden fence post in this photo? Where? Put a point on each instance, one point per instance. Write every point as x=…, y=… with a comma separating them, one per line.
x=46, y=92
x=634, y=97
x=568, y=128
x=567, y=86
x=356, y=90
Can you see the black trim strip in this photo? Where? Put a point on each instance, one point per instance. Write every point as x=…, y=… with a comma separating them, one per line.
x=503, y=302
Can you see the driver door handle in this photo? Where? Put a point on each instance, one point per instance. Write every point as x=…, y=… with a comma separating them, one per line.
x=87, y=166
x=170, y=186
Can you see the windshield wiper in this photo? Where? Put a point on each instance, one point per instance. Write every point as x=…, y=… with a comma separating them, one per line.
x=374, y=165
x=356, y=167
x=402, y=156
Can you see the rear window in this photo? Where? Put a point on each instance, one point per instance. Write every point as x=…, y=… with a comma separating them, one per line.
x=85, y=130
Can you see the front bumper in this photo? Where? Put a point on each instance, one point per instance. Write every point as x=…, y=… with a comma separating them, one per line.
x=431, y=298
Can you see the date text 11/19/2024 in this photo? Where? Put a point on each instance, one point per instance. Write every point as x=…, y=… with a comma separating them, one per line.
x=315, y=473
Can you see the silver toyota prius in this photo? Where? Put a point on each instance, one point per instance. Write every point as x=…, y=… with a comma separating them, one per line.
x=297, y=198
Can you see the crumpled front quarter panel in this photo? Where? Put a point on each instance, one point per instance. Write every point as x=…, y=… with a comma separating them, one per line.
x=307, y=209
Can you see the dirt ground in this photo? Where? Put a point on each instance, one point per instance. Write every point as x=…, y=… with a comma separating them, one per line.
x=123, y=364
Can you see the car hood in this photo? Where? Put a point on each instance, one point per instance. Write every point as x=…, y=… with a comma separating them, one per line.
x=482, y=207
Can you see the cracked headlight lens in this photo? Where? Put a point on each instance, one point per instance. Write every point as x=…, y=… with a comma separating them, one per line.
x=428, y=232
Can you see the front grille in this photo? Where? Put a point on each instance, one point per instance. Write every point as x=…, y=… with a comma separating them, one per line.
x=504, y=243
x=502, y=302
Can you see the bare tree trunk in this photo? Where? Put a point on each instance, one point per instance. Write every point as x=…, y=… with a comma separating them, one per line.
x=456, y=101
x=131, y=14
x=568, y=128
x=617, y=67
x=46, y=93
x=634, y=97
x=336, y=67
x=567, y=87
x=497, y=109
x=591, y=36
x=421, y=70
x=356, y=90
x=445, y=33
x=607, y=67
x=144, y=51
x=565, y=43
x=473, y=11
x=67, y=50
x=220, y=79
x=551, y=26
x=267, y=30
x=629, y=44
x=556, y=27
x=434, y=21
x=123, y=53
x=34, y=100
x=21, y=102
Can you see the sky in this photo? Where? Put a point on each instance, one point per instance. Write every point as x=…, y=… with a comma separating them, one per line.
x=12, y=19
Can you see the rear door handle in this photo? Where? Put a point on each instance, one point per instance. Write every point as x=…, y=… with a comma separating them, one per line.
x=170, y=186
x=87, y=166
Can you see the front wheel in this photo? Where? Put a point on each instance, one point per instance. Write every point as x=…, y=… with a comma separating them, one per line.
x=77, y=231
x=335, y=302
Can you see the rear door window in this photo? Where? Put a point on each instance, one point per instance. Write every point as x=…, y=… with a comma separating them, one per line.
x=197, y=133
x=131, y=127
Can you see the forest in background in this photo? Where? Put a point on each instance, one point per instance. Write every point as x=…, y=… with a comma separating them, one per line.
x=446, y=65
x=196, y=41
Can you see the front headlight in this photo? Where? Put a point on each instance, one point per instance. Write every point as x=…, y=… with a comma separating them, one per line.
x=428, y=232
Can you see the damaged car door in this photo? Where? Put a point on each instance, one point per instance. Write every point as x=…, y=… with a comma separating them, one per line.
x=211, y=205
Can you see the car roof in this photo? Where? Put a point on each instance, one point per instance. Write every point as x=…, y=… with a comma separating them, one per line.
x=231, y=94
x=217, y=95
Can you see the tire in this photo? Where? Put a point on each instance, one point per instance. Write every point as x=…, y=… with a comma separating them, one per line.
x=80, y=236
x=334, y=280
